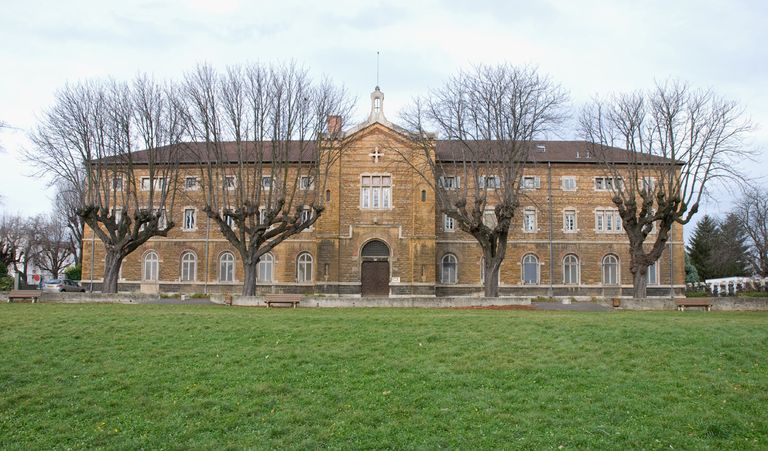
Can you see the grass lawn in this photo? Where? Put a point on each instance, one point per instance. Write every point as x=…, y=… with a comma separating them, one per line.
x=169, y=376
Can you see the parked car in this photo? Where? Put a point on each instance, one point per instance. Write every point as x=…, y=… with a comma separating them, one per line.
x=59, y=285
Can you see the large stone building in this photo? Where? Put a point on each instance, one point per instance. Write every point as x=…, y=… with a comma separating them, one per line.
x=382, y=234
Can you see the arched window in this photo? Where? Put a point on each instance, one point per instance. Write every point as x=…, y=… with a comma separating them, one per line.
x=571, y=270
x=448, y=269
x=227, y=267
x=531, y=269
x=304, y=268
x=265, y=268
x=653, y=274
x=151, y=267
x=188, y=267
x=610, y=270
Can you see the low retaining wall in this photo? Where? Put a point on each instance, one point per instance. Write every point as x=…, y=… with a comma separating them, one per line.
x=719, y=304
x=419, y=302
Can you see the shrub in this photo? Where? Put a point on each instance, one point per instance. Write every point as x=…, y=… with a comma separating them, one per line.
x=74, y=272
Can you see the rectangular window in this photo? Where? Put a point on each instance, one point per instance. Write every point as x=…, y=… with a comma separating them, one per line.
x=653, y=276
x=489, y=218
x=607, y=183
x=569, y=183
x=607, y=220
x=448, y=223
x=569, y=220
x=376, y=191
x=648, y=184
x=266, y=182
x=118, y=214
x=162, y=222
x=189, y=219
x=229, y=182
x=488, y=182
x=159, y=183
x=529, y=220
x=306, y=215
x=117, y=183
x=448, y=182
x=190, y=183
x=531, y=182
x=306, y=183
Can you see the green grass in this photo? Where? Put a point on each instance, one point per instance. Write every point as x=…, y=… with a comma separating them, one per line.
x=161, y=376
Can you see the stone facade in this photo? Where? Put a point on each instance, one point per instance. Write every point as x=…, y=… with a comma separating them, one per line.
x=414, y=232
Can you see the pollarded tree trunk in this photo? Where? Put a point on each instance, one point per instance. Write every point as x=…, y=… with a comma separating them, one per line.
x=491, y=276
x=112, y=261
x=250, y=274
x=640, y=283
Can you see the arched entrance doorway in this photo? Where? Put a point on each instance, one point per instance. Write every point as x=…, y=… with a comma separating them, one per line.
x=374, y=271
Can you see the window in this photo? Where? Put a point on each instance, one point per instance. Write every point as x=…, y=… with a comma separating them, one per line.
x=568, y=183
x=569, y=221
x=530, y=269
x=117, y=183
x=162, y=219
x=607, y=220
x=531, y=182
x=648, y=184
x=229, y=182
x=190, y=183
x=262, y=215
x=306, y=183
x=265, y=268
x=266, y=182
x=489, y=218
x=151, y=267
x=607, y=183
x=423, y=195
x=327, y=195
x=304, y=268
x=653, y=274
x=188, y=267
x=448, y=182
x=488, y=182
x=227, y=267
x=448, y=223
x=529, y=220
x=159, y=183
x=117, y=213
x=306, y=215
x=189, y=219
x=227, y=216
x=571, y=270
x=376, y=191
x=448, y=269
x=610, y=270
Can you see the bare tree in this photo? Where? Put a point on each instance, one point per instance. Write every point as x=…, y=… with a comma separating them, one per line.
x=11, y=238
x=752, y=213
x=52, y=242
x=66, y=205
x=677, y=142
x=262, y=152
x=89, y=139
x=487, y=119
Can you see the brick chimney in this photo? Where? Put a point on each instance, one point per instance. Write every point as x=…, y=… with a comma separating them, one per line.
x=334, y=124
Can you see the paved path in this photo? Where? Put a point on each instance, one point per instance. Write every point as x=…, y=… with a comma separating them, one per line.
x=576, y=306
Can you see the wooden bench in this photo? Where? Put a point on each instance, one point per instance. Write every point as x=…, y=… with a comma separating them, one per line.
x=683, y=303
x=292, y=299
x=32, y=295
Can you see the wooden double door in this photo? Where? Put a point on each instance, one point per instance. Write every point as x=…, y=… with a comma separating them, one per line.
x=375, y=278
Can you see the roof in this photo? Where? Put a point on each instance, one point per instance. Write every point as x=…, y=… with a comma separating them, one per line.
x=582, y=152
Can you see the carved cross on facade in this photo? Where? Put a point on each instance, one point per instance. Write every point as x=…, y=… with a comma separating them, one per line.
x=376, y=155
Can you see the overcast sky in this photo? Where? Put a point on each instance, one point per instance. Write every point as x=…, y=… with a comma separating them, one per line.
x=589, y=47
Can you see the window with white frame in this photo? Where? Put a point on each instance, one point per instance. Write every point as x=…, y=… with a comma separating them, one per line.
x=117, y=183
x=117, y=214
x=375, y=191
x=151, y=267
x=449, y=182
x=227, y=267
x=189, y=219
x=568, y=183
x=266, y=182
x=648, y=184
x=530, y=269
x=489, y=218
x=529, y=220
x=227, y=216
x=569, y=221
x=262, y=215
x=159, y=183
x=162, y=219
x=531, y=182
x=188, y=267
x=304, y=268
x=306, y=215
x=571, y=270
x=488, y=182
x=230, y=181
x=607, y=220
x=190, y=183
x=448, y=269
x=607, y=183
x=653, y=274
x=266, y=264
x=610, y=270
x=448, y=223
x=306, y=182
